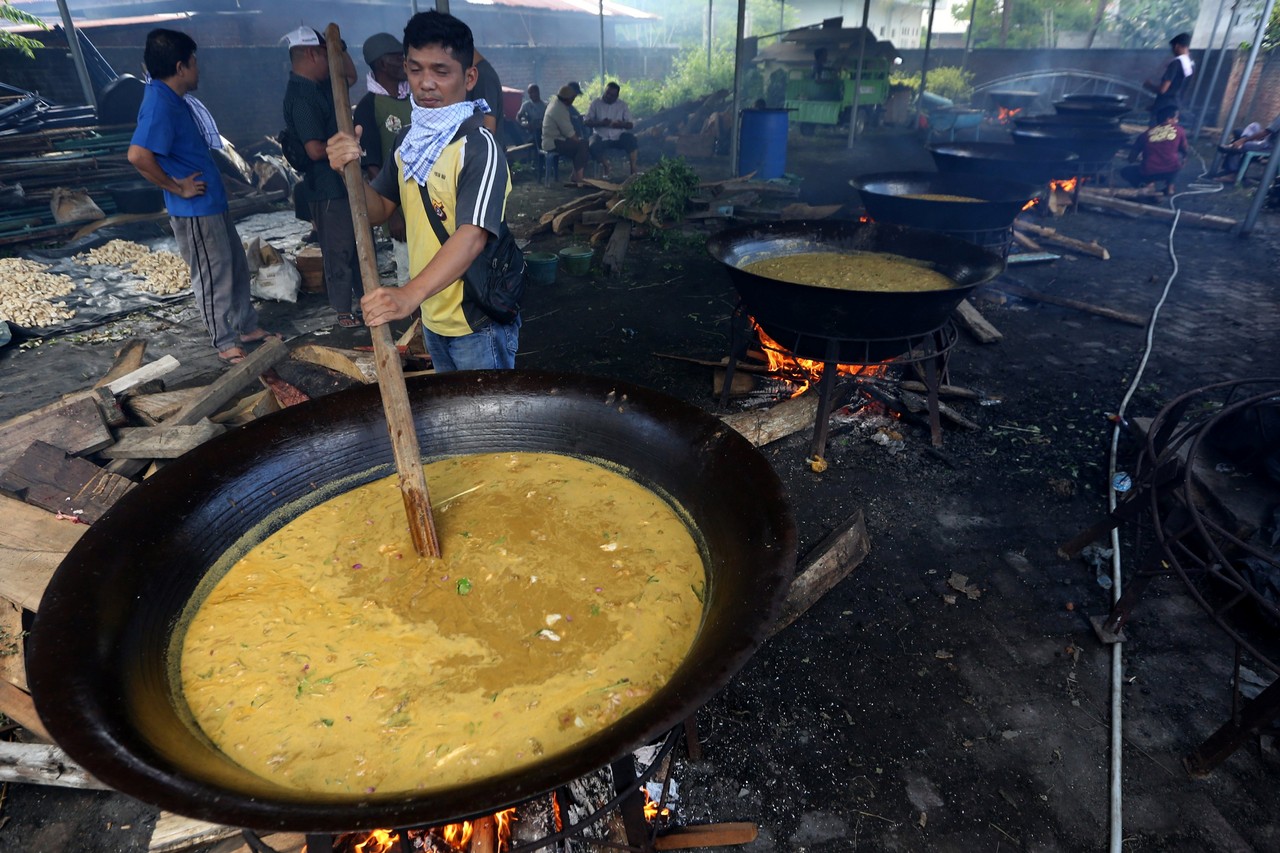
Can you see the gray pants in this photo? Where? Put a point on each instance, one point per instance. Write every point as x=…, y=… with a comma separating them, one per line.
x=332, y=219
x=219, y=276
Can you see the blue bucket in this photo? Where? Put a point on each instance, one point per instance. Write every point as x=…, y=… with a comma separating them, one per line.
x=541, y=267
x=762, y=143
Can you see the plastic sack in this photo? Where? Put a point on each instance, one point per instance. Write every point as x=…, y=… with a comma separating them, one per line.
x=278, y=282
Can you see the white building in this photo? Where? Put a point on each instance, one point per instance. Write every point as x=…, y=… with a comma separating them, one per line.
x=899, y=21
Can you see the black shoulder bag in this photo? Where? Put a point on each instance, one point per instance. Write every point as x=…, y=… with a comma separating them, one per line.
x=496, y=280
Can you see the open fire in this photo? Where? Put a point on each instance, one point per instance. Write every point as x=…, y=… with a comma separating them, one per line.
x=1005, y=115
x=803, y=372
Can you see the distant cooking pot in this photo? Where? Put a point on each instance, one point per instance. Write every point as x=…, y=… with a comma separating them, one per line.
x=1028, y=164
x=136, y=197
x=99, y=655
x=895, y=198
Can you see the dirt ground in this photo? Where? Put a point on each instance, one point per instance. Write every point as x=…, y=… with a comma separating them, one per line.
x=898, y=715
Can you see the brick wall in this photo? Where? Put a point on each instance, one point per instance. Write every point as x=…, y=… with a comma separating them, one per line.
x=1262, y=96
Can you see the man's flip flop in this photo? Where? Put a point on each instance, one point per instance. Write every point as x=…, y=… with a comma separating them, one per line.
x=235, y=355
x=260, y=336
x=349, y=321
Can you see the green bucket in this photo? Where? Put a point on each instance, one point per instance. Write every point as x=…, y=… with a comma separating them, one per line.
x=577, y=259
x=542, y=267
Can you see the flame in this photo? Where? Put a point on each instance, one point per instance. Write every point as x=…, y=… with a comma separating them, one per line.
x=379, y=841
x=865, y=218
x=651, y=810
x=457, y=836
x=1030, y=204
x=1067, y=186
x=803, y=372
x=1004, y=115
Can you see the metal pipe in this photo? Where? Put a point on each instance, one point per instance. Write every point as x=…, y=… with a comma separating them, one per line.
x=1244, y=77
x=737, y=86
x=857, y=77
x=77, y=55
x=1217, y=70
x=602, y=42
x=442, y=6
x=924, y=62
x=968, y=35
x=1204, y=58
x=1260, y=196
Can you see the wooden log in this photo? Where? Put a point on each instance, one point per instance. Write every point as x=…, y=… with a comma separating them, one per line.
x=331, y=359
x=145, y=373
x=1036, y=296
x=44, y=764
x=32, y=543
x=597, y=217
x=944, y=390
x=395, y=397
x=1049, y=235
x=828, y=563
x=241, y=412
x=1026, y=242
x=47, y=477
x=285, y=394
x=971, y=320
x=16, y=704
x=581, y=202
x=128, y=359
x=918, y=403
x=174, y=832
x=707, y=835
x=1152, y=211
x=13, y=665
x=788, y=417
x=215, y=395
x=800, y=210
x=162, y=442
x=616, y=251
x=151, y=409
x=74, y=423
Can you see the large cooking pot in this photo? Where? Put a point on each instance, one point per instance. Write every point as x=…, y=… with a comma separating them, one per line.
x=1107, y=109
x=887, y=196
x=1083, y=123
x=1095, y=142
x=99, y=665
x=813, y=315
x=1025, y=164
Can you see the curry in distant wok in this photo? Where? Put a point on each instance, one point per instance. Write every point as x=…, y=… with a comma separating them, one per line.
x=875, y=271
x=330, y=658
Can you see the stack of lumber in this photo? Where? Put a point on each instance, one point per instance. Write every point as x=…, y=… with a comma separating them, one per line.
x=692, y=128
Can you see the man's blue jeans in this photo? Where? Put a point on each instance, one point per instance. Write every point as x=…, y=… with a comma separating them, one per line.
x=491, y=348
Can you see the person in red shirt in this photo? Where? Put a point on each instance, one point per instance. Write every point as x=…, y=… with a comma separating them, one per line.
x=1163, y=149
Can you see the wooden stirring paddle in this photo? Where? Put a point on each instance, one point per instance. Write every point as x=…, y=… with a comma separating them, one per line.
x=395, y=398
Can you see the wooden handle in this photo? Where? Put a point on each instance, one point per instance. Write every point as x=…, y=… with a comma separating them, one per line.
x=395, y=398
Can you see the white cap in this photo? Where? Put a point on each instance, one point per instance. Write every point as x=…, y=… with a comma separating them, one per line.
x=302, y=37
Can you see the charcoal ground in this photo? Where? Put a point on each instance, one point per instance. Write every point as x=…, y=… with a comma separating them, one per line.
x=899, y=713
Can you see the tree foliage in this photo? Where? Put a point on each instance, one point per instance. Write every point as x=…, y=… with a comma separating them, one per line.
x=1150, y=23
x=11, y=13
x=1139, y=23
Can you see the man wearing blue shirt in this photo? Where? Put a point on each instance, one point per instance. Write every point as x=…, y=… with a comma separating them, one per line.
x=171, y=150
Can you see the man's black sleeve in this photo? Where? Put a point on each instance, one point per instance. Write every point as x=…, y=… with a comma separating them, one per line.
x=370, y=134
x=387, y=181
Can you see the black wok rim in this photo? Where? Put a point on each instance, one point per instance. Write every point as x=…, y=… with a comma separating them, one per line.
x=65, y=649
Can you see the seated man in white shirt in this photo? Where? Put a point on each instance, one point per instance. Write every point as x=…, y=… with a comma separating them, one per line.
x=611, y=122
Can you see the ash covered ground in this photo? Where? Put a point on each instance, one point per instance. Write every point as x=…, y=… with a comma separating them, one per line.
x=900, y=713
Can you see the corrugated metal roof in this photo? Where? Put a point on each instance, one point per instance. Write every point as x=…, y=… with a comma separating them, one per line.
x=590, y=7
x=90, y=23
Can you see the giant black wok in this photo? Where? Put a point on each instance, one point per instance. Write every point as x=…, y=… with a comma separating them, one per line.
x=888, y=197
x=99, y=667
x=796, y=312
x=1026, y=164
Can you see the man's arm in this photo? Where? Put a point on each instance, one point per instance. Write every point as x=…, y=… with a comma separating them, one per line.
x=342, y=149
x=449, y=264
x=144, y=160
x=593, y=118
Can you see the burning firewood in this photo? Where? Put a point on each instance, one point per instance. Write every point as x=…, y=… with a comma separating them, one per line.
x=1049, y=235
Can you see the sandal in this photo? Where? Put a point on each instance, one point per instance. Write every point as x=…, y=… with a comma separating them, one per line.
x=349, y=321
x=234, y=355
x=260, y=336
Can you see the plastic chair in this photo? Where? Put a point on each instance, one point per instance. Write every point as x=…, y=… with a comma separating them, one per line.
x=1247, y=159
x=550, y=168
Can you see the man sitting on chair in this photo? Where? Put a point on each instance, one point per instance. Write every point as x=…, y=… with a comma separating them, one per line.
x=1254, y=137
x=609, y=117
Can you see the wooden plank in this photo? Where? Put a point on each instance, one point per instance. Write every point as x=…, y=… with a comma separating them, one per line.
x=13, y=667
x=230, y=383
x=972, y=321
x=1049, y=299
x=616, y=250
x=331, y=359
x=47, y=477
x=826, y=565
x=1049, y=235
x=32, y=544
x=162, y=442
x=581, y=202
x=788, y=417
x=74, y=423
x=285, y=394
x=43, y=764
x=128, y=359
x=1151, y=211
x=17, y=705
x=146, y=373
x=174, y=832
x=151, y=409
x=706, y=835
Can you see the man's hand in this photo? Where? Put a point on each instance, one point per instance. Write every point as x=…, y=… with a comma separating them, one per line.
x=343, y=148
x=386, y=304
x=189, y=187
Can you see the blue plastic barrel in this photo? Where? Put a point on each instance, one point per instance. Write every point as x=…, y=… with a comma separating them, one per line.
x=762, y=143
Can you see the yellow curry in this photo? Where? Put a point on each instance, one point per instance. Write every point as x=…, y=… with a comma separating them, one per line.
x=878, y=271
x=330, y=658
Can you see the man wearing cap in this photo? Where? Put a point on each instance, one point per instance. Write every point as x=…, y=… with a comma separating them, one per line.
x=559, y=135
x=310, y=115
x=385, y=108
x=1177, y=72
x=450, y=176
x=170, y=148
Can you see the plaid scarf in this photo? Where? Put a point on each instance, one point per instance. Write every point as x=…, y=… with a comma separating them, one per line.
x=429, y=133
x=402, y=88
x=204, y=121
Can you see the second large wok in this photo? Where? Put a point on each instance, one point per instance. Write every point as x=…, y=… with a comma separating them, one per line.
x=100, y=665
x=823, y=312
